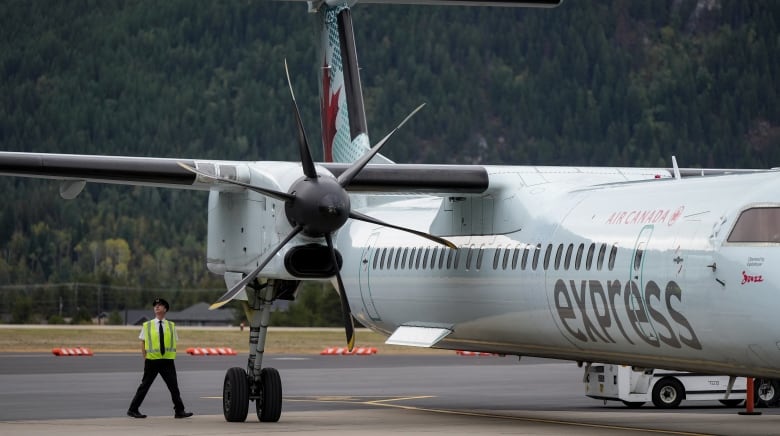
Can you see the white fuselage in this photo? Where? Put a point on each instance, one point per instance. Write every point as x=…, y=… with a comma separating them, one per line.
x=581, y=267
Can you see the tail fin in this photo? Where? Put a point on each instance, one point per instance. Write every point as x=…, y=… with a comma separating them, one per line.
x=344, y=127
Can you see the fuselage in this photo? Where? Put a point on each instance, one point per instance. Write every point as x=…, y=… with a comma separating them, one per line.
x=584, y=267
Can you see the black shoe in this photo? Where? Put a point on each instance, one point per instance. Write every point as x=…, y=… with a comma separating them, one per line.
x=135, y=414
x=179, y=415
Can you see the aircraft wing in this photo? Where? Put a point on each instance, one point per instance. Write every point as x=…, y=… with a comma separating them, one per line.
x=166, y=172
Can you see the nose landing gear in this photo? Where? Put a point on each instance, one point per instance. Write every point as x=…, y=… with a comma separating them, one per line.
x=261, y=385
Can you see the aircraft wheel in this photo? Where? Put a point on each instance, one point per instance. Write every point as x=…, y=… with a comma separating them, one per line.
x=767, y=392
x=235, y=395
x=668, y=393
x=269, y=406
x=730, y=403
x=634, y=404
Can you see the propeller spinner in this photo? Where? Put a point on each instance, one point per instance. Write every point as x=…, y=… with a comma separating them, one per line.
x=317, y=205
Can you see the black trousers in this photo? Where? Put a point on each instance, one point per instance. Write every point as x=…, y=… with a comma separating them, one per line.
x=167, y=370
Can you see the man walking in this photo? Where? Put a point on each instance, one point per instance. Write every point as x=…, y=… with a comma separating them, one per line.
x=158, y=347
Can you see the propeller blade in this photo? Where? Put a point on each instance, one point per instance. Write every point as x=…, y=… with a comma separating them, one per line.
x=235, y=290
x=356, y=167
x=368, y=219
x=303, y=143
x=283, y=196
x=346, y=312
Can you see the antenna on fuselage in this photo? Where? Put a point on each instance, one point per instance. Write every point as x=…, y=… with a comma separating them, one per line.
x=676, y=169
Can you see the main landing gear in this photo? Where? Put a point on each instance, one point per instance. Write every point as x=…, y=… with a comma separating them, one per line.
x=258, y=384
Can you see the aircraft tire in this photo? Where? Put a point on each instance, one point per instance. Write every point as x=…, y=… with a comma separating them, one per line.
x=668, y=393
x=634, y=404
x=767, y=392
x=235, y=395
x=269, y=409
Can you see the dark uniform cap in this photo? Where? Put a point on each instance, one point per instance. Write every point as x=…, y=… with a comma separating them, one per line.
x=161, y=301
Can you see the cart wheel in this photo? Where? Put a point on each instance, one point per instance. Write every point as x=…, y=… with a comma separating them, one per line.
x=767, y=392
x=667, y=393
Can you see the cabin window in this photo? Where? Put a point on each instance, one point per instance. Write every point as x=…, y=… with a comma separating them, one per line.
x=558, y=255
x=411, y=258
x=390, y=253
x=418, y=258
x=612, y=256
x=376, y=259
x=425, y=258
x=757, y=224
x=567, y=259
x=547, y=255
x=456, y=261
x=505, y=261
x=397, y=257
x=515, y=255
x=450, y=253
x=640, y=249
x=496, y=256
x=536, y=256
x=479, y=256
x=578, y=258
x=524, y=262
x=589, y=258
x=468, y=257
x=403, y=259
x=441, y=257
x=602, y=252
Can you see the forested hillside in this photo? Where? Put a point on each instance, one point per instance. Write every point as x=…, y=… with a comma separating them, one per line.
x=588, y=83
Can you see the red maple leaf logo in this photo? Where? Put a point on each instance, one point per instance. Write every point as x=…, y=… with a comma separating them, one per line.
x=330, y=108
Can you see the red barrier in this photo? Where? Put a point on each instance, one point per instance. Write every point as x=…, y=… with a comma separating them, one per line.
x=343, y=351
x=211, y=351
x=72, y=351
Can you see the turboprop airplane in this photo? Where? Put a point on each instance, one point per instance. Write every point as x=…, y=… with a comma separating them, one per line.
x=650, y=267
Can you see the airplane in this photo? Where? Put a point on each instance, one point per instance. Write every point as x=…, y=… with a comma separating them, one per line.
x=649, y=267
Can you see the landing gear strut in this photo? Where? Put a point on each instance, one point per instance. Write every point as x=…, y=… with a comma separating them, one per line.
x=258, y=384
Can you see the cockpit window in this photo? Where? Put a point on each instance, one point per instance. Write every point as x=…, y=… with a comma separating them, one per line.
x=758, y=224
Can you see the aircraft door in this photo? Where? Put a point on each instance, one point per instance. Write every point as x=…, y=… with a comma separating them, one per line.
x=366, y=260
x=635, y=285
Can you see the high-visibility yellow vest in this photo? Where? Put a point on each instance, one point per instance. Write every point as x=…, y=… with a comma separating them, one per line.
x=152, y=342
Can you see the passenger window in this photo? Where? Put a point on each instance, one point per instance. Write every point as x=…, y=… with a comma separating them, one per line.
x=558, y=255
x=411, y=257
x=535, y=262
x=567, y=259
x=403, y=259
x=442, y=252
x=515, y=255
x=419, y=258
x=758, y=224
x=468, y=257
x=390, y=253
x=479, y=256
x=602, y=252
x=547, y=255
x=450, y=253
x=612, y=256
x=505, y=261
x=638, y=256
x=578, y=258
x=457, y=258
x=589, y=258
x=425, y=258
x=524, y=262
x=376, y=259
x=434, y=252
x=496, y=256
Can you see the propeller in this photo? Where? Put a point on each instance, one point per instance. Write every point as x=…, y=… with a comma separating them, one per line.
x=317, y=206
